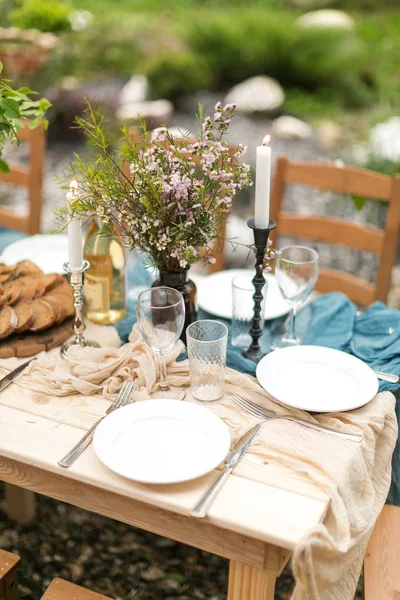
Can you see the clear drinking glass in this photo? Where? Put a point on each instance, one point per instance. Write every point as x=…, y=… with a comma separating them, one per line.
x=242, y=309
x=207, y=343
x=296, y=273
x=161, y=316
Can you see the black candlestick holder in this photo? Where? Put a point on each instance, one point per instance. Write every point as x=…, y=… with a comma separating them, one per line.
x=261, y=236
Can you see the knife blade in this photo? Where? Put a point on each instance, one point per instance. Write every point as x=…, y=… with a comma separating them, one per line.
x=233, y=458
x=9, y=378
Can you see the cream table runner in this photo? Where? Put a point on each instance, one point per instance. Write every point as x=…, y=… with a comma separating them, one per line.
x=356, y=477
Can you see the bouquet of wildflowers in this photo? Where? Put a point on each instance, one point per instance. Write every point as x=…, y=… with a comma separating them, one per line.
x=175, y=194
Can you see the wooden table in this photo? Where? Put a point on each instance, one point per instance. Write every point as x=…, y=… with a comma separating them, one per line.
x=255, y=522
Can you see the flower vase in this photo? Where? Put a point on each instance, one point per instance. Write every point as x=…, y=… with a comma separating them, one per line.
x=179, y=281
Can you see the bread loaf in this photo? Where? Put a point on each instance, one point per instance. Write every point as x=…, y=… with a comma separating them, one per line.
x=25, y=317
x=43, y=313
x=8, y=321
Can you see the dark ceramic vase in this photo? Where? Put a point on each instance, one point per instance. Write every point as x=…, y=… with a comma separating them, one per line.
x=179, y=281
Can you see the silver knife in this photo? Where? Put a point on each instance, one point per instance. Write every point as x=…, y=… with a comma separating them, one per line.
x=234, y=457
x=14, y=374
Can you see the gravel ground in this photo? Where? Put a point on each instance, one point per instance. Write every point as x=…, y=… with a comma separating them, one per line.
x=112, y=558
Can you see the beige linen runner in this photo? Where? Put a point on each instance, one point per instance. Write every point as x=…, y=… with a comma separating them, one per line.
x=356, y=477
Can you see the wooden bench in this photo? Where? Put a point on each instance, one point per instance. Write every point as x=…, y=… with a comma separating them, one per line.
x=57, y=590
x=382, y=559
x=63, y=590
x=8, y=575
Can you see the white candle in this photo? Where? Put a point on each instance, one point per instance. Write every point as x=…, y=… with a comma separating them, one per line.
x=263, y=180
x=75, y=241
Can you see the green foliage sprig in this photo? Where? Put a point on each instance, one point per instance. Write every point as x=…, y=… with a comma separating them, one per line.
x=16, y=105
x=176, y=194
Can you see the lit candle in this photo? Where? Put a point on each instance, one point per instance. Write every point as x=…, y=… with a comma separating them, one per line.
x=75, y=242
x=263, y=179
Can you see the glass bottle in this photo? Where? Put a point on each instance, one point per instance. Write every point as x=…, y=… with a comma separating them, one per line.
x=104, y=289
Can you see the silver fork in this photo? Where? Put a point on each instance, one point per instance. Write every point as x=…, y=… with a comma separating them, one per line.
x=124, y=397
x=268, y=415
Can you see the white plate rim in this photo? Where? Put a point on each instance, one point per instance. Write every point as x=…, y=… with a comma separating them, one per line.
x=226, y=274
x=263, y=364
x=224, y=433
x=61, y=239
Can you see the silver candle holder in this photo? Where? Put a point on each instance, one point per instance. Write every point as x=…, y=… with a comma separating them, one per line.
x=77, y=279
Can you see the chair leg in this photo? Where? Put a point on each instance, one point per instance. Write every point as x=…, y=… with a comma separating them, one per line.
x=20, y=504
x=248, y=583
x=8, y=576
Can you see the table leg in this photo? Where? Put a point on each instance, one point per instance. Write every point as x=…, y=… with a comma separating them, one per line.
x=20, y=503
x=248, y=583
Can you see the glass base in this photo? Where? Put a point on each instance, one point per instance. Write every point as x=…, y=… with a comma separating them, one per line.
x=169, y=394
x=285, y=342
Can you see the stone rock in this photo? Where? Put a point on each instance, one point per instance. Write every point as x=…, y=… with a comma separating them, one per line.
x=260, y=94
x=155, y=113
x=329, y=134
x=290, y=128
x=384, y=139
x=136, y=90
x=80, y=19
x=153, y=574
x=329, y=18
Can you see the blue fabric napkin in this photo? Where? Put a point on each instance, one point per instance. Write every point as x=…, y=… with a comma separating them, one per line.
x=332, y=320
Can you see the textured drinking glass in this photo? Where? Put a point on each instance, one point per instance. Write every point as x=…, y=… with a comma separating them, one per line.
x=161, y=317
x=296, y=274
x=242, y=309
x=206, y=343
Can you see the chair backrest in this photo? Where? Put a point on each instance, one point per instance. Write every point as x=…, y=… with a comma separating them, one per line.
x=30, y=177
x=219, y=256
x=350, y=181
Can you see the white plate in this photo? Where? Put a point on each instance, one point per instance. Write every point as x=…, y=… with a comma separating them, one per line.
x=214, y=294
x=162, y=441
x=317, y=379
x=49, y=252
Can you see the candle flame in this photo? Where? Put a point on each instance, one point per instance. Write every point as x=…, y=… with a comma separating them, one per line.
x=73, y=186
x=266, y=140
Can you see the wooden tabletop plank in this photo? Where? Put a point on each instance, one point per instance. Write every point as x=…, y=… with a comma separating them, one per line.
x=83, y=411
x=246, y=507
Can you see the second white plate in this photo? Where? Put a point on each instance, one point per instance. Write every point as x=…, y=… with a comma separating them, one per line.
x=214, y=294
x=317, y=379
x=49, y=252
x=162, y=441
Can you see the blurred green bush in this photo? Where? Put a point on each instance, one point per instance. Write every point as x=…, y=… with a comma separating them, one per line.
x=234, y=46
x=45, y=15
x=175, y=74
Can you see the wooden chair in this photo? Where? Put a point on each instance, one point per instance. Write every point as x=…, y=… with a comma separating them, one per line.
x=219, y=264
x=30, y=177
x=382, y=559
x=8, y=575
x=351, y=181
x=63, y=590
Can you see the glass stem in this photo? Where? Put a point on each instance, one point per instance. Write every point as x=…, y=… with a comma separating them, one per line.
x=291, y=332
x=163, y=373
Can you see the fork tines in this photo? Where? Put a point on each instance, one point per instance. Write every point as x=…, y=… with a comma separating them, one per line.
x=124, y=394
x=252, y=408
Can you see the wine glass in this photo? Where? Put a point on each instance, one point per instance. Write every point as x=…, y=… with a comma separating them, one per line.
x=296, y=273
x=161, y=317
